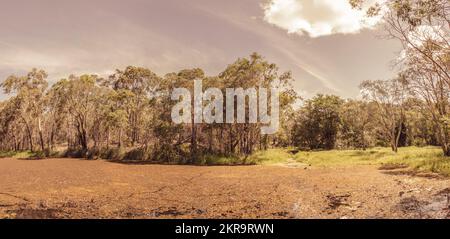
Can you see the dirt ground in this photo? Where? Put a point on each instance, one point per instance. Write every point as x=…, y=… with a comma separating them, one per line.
x=73, y=188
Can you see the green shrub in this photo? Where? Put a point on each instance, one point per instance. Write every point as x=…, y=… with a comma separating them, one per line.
x=168, y=154
x=7, y=154
x=75, y=153
x=112, y=153
x=215, y=160
x=139, y=154
x=39, y=155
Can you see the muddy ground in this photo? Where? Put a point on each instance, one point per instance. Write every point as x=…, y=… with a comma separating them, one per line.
x=73, y=188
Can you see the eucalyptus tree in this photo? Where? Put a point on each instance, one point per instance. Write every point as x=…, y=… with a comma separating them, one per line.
x=10, y=124
x=30, y=91
x=356, y=117
x=318, y=122
x=138, y=85
x=253, y=72
x=389, y=96
x=423, y=29
x=79, y=97
x=433, y=91
x=115, y=113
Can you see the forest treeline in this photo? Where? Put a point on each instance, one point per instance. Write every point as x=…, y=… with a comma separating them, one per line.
x=131, y=110
x=127, y=115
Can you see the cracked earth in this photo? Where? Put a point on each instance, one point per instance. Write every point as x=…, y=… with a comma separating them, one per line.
x=73, y=188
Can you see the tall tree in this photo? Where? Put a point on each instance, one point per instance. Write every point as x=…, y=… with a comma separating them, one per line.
x=30, y=92
x=389, y=96
x=423, y=28
x=79, y=95
x=141, y=83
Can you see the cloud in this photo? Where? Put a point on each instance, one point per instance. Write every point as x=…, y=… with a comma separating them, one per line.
x=319, y=17
x=129, y=44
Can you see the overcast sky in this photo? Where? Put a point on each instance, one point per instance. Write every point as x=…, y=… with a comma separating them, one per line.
x=328, y=46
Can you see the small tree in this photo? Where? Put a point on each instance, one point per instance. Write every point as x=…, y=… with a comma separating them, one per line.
x=318, y=122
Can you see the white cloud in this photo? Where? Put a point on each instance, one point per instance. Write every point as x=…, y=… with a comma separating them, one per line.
x=319, y=17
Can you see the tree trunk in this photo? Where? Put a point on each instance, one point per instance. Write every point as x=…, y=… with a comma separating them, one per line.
x=107, y=140
x=30, y=135
x=193, y=142
x=41, y=138
x=120, y=138
x=52, y=140
x=446, y=149
x=15, y=143
x=363, y=140
x=82, y=138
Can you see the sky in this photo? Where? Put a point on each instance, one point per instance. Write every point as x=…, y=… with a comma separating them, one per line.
x=329, y=47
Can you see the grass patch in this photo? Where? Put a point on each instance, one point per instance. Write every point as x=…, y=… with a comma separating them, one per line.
x=22, y=154
x=343, y=157
x=7, y=154
x=218, y=160
x=425, y=159
x=392, y=166
x=270, y=156
x=435, y=165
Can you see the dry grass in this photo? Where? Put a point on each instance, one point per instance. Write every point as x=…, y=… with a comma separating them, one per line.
x=19, y=154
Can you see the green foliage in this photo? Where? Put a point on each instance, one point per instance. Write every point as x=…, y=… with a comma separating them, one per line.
x=168, y=154
x=112, y=154
x=75, y=153
x=138, y=154
x=355, y=124
x=318, y=122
